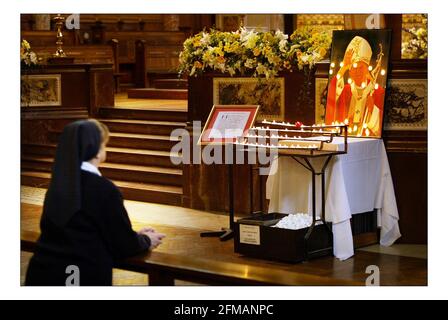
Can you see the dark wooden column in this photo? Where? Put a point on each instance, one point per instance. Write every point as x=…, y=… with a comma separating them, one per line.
x=101, y=89
x=289, y=23
x=141, y=79
x=394, y=22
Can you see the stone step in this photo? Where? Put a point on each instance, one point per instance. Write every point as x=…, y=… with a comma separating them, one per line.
x=146, y=192
x=133, y=140
x=142, y=126
x=171, y=84
x=114, y=171
x=153, y=93
x=141, y=141
x=142, y=157
x=143, y=114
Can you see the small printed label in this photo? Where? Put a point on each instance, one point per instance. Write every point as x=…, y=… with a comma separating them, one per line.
x=250, y=234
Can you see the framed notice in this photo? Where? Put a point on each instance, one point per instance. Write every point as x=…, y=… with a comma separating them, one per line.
x=226, y=123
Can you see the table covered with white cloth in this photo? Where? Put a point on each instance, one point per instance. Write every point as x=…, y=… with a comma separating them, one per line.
x=356, y=182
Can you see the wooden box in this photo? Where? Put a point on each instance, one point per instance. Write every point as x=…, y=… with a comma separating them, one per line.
x=260, y=240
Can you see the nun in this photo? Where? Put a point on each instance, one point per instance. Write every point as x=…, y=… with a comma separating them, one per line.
x=85, y=228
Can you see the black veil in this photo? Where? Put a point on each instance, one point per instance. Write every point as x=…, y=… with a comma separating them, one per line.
x=80, y=141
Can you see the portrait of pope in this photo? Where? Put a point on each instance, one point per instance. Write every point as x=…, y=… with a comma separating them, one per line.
x=356, y=88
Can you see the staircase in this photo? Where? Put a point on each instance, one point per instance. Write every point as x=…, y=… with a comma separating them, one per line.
x=163, y=89
x=138, y=155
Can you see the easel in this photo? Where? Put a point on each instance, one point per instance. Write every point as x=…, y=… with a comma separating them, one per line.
x=228, y=142
x=226, y=233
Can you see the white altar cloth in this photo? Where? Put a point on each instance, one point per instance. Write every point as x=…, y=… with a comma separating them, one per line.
x=356, y=182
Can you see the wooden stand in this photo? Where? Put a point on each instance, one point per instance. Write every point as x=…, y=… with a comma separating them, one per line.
x=226, y=233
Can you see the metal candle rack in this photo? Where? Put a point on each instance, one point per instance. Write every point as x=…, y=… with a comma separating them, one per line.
x=275, y=132
x=312, y=142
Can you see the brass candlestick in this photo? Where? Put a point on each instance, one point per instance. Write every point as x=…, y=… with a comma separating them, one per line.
x=59, y=21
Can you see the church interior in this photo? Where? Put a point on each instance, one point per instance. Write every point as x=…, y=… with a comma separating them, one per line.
x=135, y=74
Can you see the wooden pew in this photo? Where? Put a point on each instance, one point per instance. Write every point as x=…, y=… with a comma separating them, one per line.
x=163, y=268
x=114, y=43
x=153, y=61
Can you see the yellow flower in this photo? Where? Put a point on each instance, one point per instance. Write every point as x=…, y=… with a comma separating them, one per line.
x=218, y=51
x=206, y=56
x=267, y=50
x=197, y=43
x=322, y=52
x=198, y=64
x=220, y=59
x=256, y=52
x=26, y=45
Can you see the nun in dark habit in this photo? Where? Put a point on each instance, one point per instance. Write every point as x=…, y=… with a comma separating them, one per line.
x=84, y=223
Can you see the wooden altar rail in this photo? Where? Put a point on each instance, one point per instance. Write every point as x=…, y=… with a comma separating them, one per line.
x=95, y=54
x=82, y=54
x=163, y=268
x=85, y=87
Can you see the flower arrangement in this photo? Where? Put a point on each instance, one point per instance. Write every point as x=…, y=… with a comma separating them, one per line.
x=28, y=58
x=309, y=46
x=417, y=45
x=247, y=52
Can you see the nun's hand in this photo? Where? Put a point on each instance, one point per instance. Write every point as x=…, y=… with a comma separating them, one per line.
x=146, y=229
x=155, y=237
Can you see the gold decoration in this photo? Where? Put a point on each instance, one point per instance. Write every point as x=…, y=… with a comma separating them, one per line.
x=59, y=21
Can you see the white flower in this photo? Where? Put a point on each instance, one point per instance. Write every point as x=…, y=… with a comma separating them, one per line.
x=249, y=63
x=243, y=33
x=282, y=45
x=193, y=70
x=249, y=39
x=305, y=58
x=261, y=69
x=280, y=35
x=33, y=57
x=205, y=40
x=221, y=67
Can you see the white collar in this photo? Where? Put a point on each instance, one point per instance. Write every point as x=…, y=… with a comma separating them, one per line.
x=87, y=166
